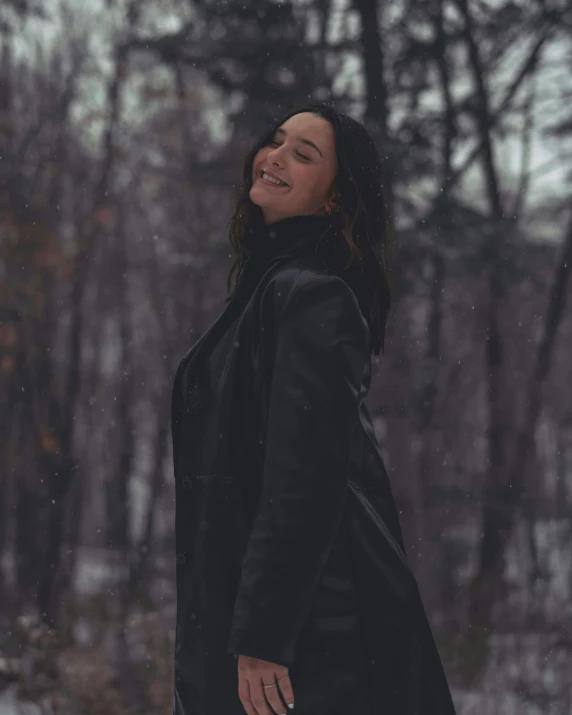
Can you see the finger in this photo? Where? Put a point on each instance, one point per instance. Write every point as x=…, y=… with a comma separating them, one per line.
x=275, y=701
x=259, y=698
x=244, y=695
x=285, y=685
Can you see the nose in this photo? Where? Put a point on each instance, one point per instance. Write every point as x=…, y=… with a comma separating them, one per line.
x=273, y=156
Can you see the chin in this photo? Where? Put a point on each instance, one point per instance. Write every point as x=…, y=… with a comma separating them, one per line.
x=258, y=197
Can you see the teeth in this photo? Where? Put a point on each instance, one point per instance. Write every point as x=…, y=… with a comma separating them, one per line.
x=267, y=177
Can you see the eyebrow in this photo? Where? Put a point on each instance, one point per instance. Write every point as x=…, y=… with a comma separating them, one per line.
x=304, y=141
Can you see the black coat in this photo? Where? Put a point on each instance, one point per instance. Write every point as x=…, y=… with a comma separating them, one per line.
x=289, y=547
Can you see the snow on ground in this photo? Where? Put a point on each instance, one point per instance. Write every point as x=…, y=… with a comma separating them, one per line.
x=10, y=705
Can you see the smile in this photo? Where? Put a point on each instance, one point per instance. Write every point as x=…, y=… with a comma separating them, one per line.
x=271, y=181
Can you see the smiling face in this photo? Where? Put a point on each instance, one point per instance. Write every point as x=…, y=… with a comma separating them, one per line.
x=302, y=154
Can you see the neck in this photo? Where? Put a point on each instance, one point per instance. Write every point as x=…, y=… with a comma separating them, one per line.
x=268, y=221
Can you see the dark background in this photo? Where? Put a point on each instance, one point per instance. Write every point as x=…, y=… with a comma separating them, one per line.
x=123, y=126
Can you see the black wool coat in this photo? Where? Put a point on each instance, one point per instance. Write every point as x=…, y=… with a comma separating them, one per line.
x=288, y=541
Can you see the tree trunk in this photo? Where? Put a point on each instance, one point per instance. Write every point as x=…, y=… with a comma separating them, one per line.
x=141, y=561
x=495, y=478
x=376, y=110
x=503, y=499
x=61, y=469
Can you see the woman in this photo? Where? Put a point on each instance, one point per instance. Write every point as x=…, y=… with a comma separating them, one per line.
x=293, y=587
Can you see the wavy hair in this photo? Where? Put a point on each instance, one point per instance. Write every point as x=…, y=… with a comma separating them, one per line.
x=365, y=217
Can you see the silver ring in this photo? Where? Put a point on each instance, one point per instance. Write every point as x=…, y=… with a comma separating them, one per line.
x=272, y=685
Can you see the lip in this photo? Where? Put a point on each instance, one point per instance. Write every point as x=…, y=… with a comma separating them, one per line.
x=273, y=175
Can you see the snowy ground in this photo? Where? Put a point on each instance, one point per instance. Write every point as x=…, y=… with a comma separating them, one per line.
x=9, y=705
x=527, y=674
x=467, y=703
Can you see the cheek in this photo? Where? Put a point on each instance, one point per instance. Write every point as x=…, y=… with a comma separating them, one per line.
x=259, y=158
x=306, y=178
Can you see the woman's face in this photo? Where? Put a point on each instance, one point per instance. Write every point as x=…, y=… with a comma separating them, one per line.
x=302, y=154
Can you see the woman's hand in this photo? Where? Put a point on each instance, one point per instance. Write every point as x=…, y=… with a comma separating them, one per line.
x=253, y=673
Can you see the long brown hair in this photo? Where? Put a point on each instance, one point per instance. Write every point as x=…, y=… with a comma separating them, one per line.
x=366, y=219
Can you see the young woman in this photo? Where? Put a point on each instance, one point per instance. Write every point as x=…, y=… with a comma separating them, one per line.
x=293, y=588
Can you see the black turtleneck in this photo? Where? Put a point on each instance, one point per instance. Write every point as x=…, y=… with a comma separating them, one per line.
x=292, y=235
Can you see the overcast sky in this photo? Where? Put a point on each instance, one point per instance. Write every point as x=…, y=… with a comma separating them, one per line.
x=551, y=159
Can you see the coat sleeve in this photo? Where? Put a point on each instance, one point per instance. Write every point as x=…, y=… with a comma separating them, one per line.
x=322, y=343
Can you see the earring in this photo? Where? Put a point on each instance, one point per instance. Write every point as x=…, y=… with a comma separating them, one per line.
x=333, y=206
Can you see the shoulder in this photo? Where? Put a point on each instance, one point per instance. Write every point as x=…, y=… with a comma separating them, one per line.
x=306, y=294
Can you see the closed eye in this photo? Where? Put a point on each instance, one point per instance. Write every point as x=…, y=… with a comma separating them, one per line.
x=302, y=156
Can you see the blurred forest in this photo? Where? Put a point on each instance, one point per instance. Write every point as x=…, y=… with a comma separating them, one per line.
x=123, y=127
